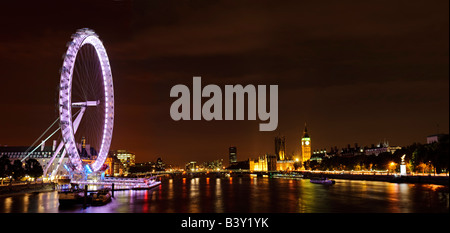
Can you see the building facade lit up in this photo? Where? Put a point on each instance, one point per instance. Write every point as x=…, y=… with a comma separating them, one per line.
x=127, y=158
x=306, y=146
x=232, y=151
x=280, y=148
x=264, y=163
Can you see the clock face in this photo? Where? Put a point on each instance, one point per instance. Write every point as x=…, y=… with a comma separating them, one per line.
x=307, y=142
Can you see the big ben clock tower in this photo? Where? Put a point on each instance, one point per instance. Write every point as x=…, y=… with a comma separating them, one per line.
x=306, y=146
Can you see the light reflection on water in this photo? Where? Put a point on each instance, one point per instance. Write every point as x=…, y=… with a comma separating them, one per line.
x=251, y=195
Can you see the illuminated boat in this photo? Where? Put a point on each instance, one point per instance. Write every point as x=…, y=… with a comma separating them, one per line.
x=147, y=184
x=321, y=181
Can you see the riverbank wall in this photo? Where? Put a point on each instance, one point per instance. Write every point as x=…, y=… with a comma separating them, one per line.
x=419, y=179
x=26, y=187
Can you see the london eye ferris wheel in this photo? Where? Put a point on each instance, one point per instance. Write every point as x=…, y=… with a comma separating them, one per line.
x=86, y=100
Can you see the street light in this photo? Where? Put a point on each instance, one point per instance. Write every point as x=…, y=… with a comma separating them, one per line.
x=392, y=166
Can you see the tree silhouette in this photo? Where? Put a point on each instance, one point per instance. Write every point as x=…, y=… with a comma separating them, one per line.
x=33, y=168
x=5, y=166
x=17, y=170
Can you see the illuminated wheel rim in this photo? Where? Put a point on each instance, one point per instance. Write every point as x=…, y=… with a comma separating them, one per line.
x=79, y=39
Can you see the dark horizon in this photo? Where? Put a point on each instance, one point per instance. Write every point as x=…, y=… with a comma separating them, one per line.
x=355, y=72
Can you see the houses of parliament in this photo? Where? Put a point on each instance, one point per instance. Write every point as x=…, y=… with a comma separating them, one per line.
x=280, y=161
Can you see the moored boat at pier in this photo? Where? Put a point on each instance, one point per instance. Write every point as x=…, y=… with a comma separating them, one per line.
x=101, y=197
x=70, y=197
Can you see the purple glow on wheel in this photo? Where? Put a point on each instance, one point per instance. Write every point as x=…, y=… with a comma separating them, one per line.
x=80, y=38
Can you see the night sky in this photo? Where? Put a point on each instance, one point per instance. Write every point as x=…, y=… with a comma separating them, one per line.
x=354, y=71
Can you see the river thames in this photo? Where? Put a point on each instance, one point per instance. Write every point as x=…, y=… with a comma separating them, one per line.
x=251, y=195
